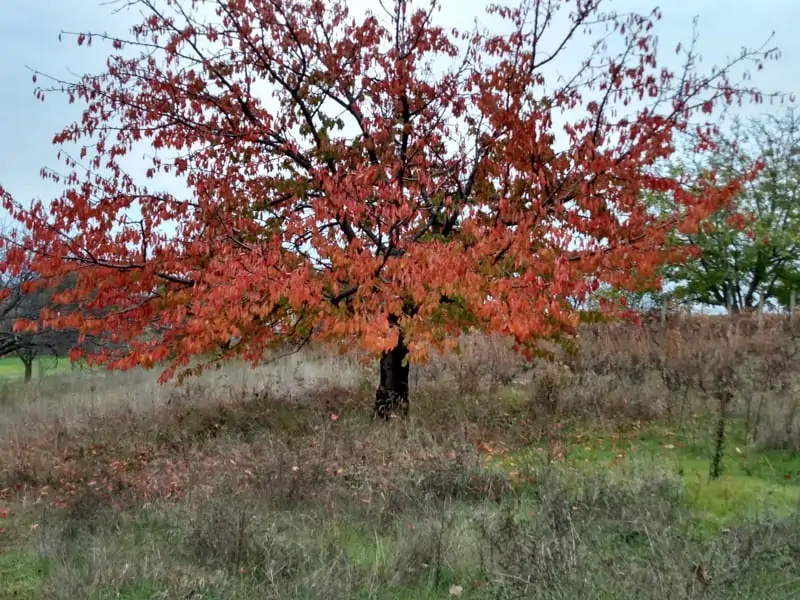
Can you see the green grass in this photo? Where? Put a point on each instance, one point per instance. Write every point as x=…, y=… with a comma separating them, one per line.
x=22, y=572
x=12, y=367
x=753, y=482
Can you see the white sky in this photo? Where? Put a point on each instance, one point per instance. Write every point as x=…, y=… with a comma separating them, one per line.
x=29, y=37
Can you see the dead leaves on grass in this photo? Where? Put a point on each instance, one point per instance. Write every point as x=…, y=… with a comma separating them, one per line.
x=118, y=475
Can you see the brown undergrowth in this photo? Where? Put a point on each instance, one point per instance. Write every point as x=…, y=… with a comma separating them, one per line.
x=624, y=376
x=124, y=460
x=277, y=483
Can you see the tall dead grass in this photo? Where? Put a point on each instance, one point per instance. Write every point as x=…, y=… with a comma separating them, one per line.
x=275, y=482
x=623, y=373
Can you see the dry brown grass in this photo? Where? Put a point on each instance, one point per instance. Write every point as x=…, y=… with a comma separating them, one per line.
x=126, y=432
x=623, y=374
x=244, y=471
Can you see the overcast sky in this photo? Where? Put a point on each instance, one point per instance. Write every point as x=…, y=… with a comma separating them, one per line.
x=29, y=33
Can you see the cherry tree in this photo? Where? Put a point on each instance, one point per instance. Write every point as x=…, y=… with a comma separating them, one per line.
x=379, y=178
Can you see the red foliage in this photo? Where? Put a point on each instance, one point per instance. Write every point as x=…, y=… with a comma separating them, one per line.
x=346, y=177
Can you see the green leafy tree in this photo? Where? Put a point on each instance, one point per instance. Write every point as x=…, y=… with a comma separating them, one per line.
x=750, y=250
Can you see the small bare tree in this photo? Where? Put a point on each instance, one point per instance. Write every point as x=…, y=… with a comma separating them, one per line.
x=20, y=303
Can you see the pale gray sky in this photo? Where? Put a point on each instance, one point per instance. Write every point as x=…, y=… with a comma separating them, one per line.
x=29, y=37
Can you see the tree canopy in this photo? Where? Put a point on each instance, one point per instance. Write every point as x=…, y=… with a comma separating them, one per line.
x=748, y=252
x=383, y=178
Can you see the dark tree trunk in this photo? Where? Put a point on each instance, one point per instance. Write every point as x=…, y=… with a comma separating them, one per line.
x=715, y=470
x=28, y=362
x=392, y=395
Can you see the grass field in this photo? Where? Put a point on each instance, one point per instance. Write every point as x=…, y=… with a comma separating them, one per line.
x=505, y=483
x=11, y=367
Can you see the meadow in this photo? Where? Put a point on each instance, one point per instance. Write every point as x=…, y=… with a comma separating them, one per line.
x=11, y=367
x=583, y=477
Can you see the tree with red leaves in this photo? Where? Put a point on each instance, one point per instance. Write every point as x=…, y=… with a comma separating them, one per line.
x=382, y=179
